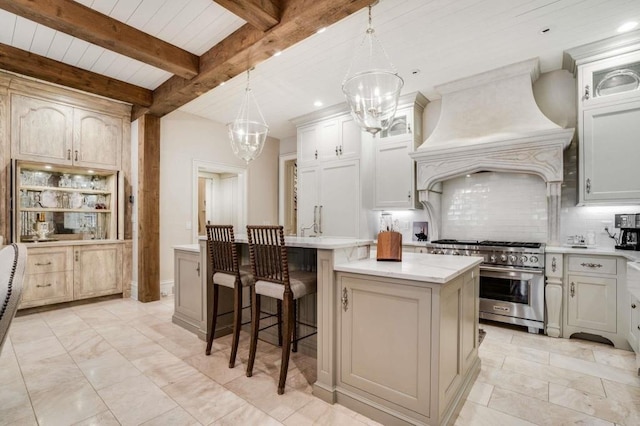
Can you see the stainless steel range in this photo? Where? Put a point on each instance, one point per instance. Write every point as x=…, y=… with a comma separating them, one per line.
x=511, y=279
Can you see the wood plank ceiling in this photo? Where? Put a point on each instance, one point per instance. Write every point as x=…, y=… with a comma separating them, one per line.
x=124, y=49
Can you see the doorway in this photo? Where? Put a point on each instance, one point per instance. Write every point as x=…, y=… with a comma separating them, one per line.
x=219, y=196
x=288, y=193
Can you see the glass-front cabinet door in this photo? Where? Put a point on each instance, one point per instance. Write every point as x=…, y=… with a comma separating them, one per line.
x=58, y=203
x=611, y=79
x=400, y=126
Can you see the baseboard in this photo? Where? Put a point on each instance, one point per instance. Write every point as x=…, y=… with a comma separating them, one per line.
x=166, y=288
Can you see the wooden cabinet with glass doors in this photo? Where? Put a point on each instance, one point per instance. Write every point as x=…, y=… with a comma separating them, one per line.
x=64, y=203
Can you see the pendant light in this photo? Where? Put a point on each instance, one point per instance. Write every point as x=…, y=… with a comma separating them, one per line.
x=372, y=85
x=248, y=131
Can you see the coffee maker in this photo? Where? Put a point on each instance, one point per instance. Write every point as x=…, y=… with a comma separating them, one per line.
x=629, y=225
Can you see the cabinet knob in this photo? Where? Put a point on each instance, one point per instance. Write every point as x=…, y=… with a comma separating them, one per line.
x=198, y=268
x=316, y=154
x=588, y=186
x=633, y=306
x=345, y=299
x=573, y=289
x=336, y=150
x=587, y=93
x=76, y=256
x=340, y=149
x=68, y=154
x=409, y=195
x=76, y=157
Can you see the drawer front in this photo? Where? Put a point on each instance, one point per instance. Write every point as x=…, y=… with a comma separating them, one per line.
x=43, y=289
x=598, y=265
x=41, y=261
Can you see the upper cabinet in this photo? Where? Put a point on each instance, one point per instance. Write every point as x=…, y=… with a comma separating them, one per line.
x=394, y=171
x=330, y=139
x=608, y=80
x=47, y=131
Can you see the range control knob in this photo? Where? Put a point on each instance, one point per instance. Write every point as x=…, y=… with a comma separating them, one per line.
x=456, y=253
x=523, y=259
x=503, y=258
x=534, y=259
x=513, y=258
x=433, y=251
x=493, y=258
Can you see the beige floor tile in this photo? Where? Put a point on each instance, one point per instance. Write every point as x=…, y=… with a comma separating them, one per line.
x=28, y=329
x=170, y=373
x=85, y=345
x=36, y=350
x=247, y=415
x=106, y=418
x=108, y=369
x=317, y=412
x=15, y=404
x=182, y=348
x=9, y=368
x=216, y=366
x=51, y=372
x=203, y=398
x=261, y=391
x=155, y=360
x=143, y=350
x=490, y=358
x=176, y=417
x=64, y=323
x=480, y=393
x=573, y=348
x=516, y=351
x=123, y=337
x=622, y=392
x=515, y=382
x=136, y=400
x=498, y=334
x=538, y=411
x=67, y=403
x=555, y=375
x=473, y=414
x=595, y=369
x=625, y=360
x=607, y=409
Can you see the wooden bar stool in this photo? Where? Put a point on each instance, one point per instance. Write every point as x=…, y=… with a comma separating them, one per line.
x=270, y=268
x=225, y=271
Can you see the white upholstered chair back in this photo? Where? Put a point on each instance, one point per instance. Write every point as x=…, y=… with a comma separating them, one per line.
x=13, y=259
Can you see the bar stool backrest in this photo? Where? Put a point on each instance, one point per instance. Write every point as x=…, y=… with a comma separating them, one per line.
x=268, y=254
x=221, y=245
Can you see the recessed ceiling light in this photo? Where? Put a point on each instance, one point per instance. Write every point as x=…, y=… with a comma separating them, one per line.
x=317, y=103
x=223, y=83
x=627, y=26
x=415, y=71
x=48, y=167
x=321, y=30
x=278, y=53
x=90, y=171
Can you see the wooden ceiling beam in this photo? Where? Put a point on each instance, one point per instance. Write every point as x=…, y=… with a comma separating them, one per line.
x=262, y=14
x=32, y=65
x=247, y=47
x=79, y=21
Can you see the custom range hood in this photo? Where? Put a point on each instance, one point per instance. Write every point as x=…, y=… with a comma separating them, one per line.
x=491, y=122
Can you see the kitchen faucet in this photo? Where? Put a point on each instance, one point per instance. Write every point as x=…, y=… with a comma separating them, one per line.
x=317, y=223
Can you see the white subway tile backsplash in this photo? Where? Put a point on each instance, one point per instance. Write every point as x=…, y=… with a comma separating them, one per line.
x=495, y=206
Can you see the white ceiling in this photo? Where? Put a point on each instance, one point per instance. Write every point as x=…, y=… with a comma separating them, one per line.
x=444, y=39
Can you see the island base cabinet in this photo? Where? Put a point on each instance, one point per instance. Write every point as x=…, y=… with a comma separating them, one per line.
x=97, y=270
x=409, y=347
x=190, y=293
x=385, y=341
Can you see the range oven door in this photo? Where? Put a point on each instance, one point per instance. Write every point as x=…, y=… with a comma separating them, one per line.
x=515, y=294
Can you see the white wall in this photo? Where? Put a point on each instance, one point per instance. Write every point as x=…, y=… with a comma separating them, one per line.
x=185, y=138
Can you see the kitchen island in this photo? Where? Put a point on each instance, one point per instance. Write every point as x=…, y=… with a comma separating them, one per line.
x=404, y=348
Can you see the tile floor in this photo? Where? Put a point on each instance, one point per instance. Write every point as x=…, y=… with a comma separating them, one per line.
x=124, y=362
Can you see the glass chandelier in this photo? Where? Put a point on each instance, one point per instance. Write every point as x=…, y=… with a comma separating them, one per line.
x=372, y=85
x=248, y=131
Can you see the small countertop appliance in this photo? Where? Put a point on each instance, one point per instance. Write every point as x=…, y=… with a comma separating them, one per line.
x=629, y=225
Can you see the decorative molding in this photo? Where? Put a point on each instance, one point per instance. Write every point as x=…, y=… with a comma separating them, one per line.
x=602, y=49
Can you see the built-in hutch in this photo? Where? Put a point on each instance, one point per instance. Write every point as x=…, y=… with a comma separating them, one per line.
x=66, y=186
x=608, y=84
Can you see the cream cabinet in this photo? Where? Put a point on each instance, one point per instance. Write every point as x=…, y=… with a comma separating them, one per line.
x=633, y=334
x=330, y=195
x=49, y=276
x=190, y=291
x=97, y=270
x=596, y=298
x=330, y=139
x=410, y=347
x=48, y=131
x=608, y=125
x=394, y=170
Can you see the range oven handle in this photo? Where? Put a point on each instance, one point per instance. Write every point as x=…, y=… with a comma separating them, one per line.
x=507, y=270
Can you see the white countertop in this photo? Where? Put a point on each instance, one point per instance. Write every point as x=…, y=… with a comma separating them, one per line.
x=434, y=268
x=188, y=247
x=315, y=242
x=633, y=256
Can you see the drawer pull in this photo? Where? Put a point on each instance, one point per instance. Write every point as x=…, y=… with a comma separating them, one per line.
x=43, y=285
x=573, y=289
x=345, y=299
x=554, y=265
x=591, y=265
x=43, y=264
x=198, y=268
x=633, y=306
